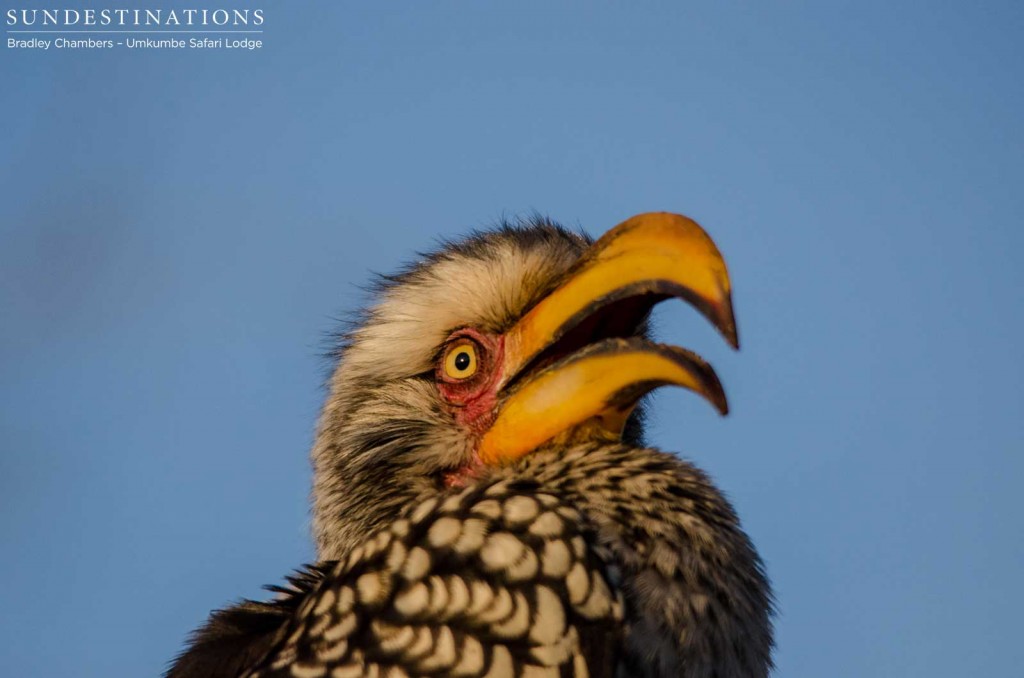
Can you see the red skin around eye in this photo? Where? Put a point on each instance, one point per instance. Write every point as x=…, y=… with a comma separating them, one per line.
x=472, y=400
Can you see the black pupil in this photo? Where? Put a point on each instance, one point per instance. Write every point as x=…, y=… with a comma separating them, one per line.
x=462, y=361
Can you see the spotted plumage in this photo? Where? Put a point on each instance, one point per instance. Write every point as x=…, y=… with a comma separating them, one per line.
x=462, y=585
x=579, y=556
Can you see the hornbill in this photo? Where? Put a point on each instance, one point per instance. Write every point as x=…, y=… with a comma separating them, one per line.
x=483, y=504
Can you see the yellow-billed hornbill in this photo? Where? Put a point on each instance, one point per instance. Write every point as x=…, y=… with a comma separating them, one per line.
x=483, y=504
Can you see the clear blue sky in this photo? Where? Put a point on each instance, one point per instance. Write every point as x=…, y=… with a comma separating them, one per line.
x=179, y=229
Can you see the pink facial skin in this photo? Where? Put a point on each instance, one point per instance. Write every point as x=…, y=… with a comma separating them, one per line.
x=472, y=401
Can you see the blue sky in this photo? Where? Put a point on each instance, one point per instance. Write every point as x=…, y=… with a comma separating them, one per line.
x=179, y=231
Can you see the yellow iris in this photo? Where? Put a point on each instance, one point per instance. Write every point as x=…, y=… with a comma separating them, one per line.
x=460, y=362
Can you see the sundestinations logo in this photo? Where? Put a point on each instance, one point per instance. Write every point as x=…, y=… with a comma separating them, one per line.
x=129, y=28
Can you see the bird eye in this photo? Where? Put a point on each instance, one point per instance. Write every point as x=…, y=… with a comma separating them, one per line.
x=460, y=362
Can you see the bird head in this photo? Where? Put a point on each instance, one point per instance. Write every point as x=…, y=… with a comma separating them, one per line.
x=501, y=344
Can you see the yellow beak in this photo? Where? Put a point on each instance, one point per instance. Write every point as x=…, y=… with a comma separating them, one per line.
x=596, y=309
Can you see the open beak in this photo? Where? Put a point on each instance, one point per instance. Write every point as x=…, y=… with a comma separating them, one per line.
x=573, y=364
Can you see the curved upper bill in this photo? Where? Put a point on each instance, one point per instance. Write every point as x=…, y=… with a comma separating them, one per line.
x=640, y=262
